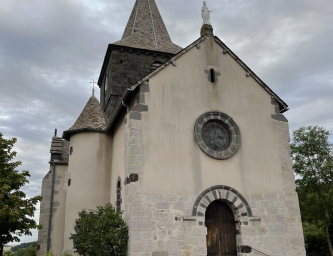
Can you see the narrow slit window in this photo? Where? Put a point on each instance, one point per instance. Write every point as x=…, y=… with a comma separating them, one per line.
x=212, y=75
x=70, y=150
x=118, y=202
x=106, y=83
x=69, y=182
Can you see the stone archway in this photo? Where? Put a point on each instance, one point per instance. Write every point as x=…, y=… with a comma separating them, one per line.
x=231, y=196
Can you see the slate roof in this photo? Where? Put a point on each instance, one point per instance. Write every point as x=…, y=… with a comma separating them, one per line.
x=92, y=117
x=146, y=30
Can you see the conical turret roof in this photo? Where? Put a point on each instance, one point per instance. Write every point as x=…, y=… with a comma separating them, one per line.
x=146, y=30
x=91, y=117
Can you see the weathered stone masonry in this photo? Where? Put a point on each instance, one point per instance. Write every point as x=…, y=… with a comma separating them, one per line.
x=125, y=67
x=44, y=212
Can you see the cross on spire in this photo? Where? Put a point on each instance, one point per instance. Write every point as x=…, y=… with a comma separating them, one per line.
x=93, y=91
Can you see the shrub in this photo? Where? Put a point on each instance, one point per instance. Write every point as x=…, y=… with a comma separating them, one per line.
x=100, y=232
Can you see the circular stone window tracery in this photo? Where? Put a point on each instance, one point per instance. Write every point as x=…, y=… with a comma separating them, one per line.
x=217, y=135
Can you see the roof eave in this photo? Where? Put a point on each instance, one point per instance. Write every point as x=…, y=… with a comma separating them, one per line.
x=67, y=134
x=126, y=48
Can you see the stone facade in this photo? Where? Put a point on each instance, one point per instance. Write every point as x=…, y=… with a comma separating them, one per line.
x=175, y=225
x=58, y=207
x=44, y=213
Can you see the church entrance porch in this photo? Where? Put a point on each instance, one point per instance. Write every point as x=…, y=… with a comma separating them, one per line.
x=221, y=230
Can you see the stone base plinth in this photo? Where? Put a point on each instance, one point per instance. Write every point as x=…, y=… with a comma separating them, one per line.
x=206, y=30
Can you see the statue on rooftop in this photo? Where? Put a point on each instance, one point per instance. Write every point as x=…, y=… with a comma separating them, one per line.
x=205, y=14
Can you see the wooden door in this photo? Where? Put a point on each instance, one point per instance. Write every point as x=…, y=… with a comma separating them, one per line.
x=221, y=230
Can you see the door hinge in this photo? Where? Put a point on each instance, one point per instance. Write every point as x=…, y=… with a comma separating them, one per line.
x=209, y=221
x=211, y=253
x=230, y=253
x=229, y=221
x=245, y=249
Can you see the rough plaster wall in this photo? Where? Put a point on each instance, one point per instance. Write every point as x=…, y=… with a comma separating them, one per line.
x=44, y=213
x=89, y=170
x=118, y=163
x=178, y=96
x=279, y=232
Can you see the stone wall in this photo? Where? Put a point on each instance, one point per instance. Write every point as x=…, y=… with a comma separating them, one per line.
x=125, y=68
x=58, y=207
x=44, y=213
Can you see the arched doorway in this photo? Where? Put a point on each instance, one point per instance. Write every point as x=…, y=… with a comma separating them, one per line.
x=221, y=230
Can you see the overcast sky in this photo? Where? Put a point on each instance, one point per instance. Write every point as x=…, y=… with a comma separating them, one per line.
x=51, y=49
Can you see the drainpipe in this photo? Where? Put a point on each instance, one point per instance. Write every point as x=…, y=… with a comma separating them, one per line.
x=122, y=102
x=51, y=206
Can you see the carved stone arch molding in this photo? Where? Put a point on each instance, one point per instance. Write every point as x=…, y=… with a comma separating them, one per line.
x=231, y=196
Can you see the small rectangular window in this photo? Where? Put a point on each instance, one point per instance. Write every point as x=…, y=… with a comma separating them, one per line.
x=70, y=150
x=212, y=75
x=69, y=182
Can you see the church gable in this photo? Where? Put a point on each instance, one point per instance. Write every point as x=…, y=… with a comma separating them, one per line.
x=249, y=73
x=180, y=92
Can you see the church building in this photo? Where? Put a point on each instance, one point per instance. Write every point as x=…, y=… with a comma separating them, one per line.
x=188, y=142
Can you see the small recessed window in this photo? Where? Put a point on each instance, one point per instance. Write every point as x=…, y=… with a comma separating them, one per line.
x=212, y=75
x=106, y=83
x=121, y=62
x=70, y=150
x=69, y=182
x=118, y=202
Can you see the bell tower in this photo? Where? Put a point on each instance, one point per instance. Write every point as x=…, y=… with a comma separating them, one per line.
x=144, y=46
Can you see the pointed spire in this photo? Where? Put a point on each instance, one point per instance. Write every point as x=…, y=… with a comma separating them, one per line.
x=91, y=117
x=146, y=30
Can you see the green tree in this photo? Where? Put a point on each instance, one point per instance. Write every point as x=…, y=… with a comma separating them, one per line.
x=15, y=209
x=315, y=239
x=20, y=246
x=313, y=163
x=21, y=252
x=31, y=250
x=100, y=232
x=28, y=251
